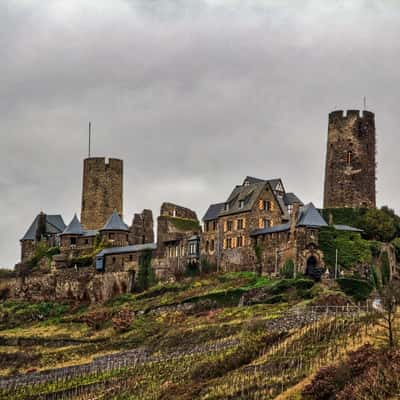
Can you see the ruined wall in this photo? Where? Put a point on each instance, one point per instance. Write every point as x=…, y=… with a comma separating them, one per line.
x=142, y=229
x=173, y=210
x=102, y=191
x=350, y=160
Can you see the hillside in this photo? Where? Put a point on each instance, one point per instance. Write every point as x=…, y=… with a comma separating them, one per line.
x=184, y=340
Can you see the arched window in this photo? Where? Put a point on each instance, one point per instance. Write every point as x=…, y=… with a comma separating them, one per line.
x=349, y=158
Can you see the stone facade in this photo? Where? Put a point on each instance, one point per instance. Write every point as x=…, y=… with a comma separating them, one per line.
x=350, y=160
x=142, y=229
x=178, y=231
x=226, y=241
x=296, y=243
x=102, y=191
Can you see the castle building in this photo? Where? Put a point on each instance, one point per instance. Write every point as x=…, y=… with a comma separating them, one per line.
x=255, y=204
x=350, y=160
x=102, y=191
x=44, y=229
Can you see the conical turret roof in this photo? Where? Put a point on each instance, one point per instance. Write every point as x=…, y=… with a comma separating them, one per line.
x=74, y=227
x=115, y=223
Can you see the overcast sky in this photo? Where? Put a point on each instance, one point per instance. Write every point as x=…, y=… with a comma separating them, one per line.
x=194, y=95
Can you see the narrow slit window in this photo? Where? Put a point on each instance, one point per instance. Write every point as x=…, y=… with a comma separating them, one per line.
x=349, y=157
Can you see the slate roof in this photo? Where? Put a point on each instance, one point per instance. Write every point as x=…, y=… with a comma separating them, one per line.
x=74, y=227
x=347, y=228
x=213, y=211
x=290, y=198
x=54, y=224
x=249, y=192
x=309, y=217
x=115, y=223
x=272, y=229
x=127, y=249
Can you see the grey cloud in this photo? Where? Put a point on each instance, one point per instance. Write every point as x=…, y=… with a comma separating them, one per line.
x=193, y=95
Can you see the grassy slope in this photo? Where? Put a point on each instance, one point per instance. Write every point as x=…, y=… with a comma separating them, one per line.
x=254, y=363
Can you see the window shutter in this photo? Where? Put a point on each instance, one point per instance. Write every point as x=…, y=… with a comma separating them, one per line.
x=224, y=243
x=261, y=223
x=260, y=204
x=234, y=243
x=244, y=223
x=225, y=226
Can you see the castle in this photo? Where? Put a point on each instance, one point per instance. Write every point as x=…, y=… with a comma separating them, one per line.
x=259, y=226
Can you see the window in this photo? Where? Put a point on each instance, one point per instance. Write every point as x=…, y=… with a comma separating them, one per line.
x=114, y=260
x=349, y=157
x=241, y=203
x=131, y=257
x=229, y=243
x=111, y=236
x=290, y=209
x=239, y=224
x=229, y=226
x=264, y=223
x=226, y=207
x=214, y=225
x=239, y=241
x=265, y=205
x=212, y=244
x=73, y=241
x=174, y=213
x=86, y=241
x=207, y=246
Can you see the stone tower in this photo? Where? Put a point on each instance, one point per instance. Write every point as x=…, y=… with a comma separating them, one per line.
x=102, y=191
x=350, y=160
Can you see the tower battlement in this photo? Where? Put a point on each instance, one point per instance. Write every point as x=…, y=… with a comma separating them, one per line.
x=102, y=191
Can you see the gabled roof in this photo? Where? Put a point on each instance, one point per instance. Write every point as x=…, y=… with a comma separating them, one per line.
x=243, y=197
x=74, y=227
x=127, y=249
x=54, y=224
x=213, y=211
x=115, y=223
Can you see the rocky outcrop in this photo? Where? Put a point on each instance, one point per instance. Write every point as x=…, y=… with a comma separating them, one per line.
x=84, y=285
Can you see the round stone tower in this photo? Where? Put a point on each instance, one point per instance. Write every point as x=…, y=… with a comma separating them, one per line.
x=102, y=191
x=350, y=160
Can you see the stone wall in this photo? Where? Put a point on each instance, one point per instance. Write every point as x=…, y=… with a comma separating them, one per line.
x=70, y=285
x=242, y=257
x=350, y=160
x=102, y=191
x=142, y=229
x=173, y=210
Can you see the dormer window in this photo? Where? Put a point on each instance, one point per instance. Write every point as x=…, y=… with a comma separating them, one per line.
x=241, y=203
x=246, y=183
x=226, y=207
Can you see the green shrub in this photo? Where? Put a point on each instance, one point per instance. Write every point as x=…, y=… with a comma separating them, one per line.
x=396, y=243
x=82, y=261
x=146, y=276
x=385, y=268
x=184, y=224
x=352, y=249
x=206, y=266
x=192, y=269
x=287, y=270
x=357, y=288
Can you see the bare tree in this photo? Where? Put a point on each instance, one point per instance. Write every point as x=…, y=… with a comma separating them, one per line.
x=390, y=300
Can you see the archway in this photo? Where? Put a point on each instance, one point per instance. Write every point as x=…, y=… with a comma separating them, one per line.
x=313, y=269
